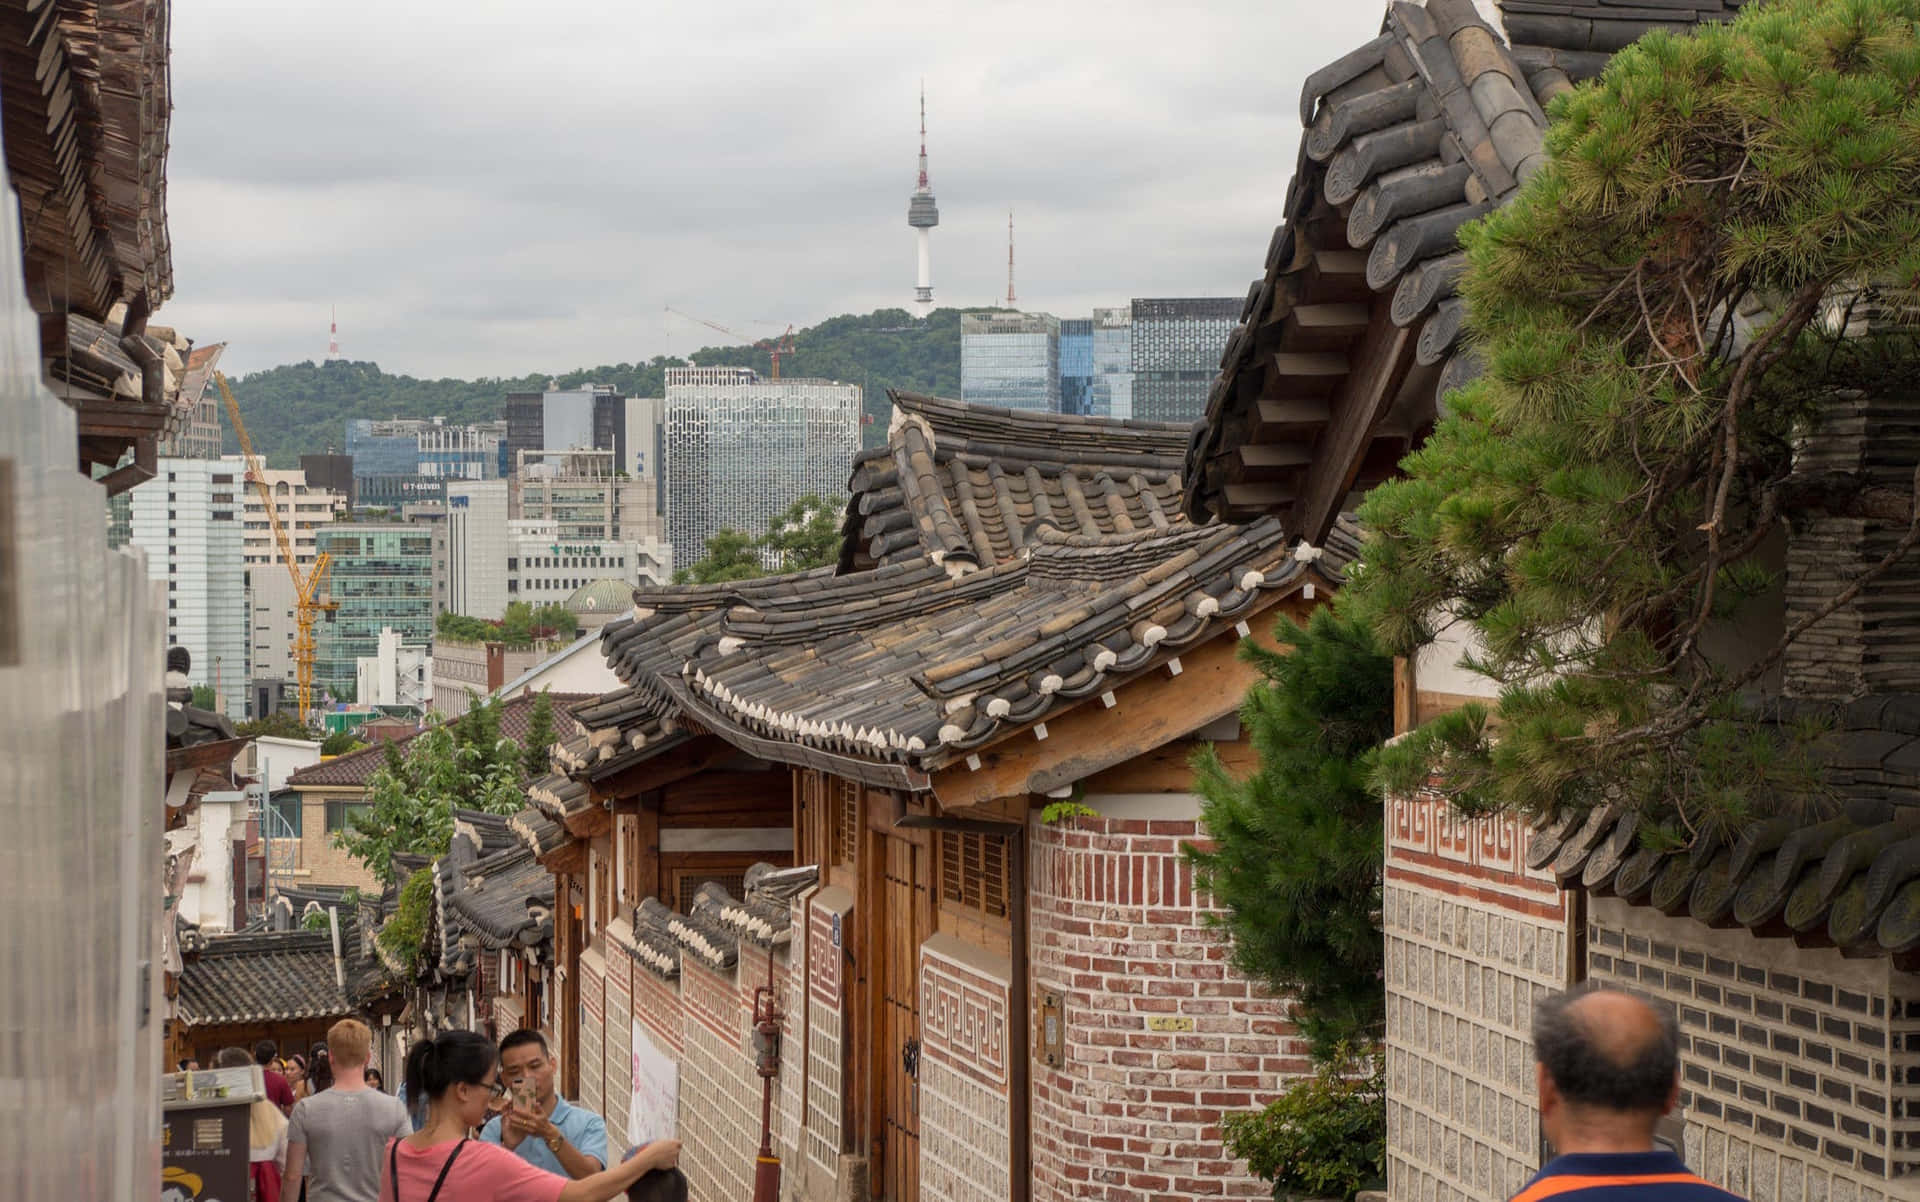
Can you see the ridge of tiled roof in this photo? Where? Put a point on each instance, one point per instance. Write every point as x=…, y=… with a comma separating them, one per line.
x=1850, y=878
x=969, y=484
x=538, y=833
x=274, y=976
x=1428, y=126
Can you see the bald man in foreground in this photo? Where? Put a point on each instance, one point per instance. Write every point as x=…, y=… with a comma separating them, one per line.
x=1608, y=1070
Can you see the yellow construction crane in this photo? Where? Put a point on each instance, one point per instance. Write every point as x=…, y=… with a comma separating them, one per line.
x=308, y=603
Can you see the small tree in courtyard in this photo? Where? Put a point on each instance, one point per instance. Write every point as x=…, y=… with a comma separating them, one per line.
x=1296, y=847
x=534, y=760
x=1605, y=494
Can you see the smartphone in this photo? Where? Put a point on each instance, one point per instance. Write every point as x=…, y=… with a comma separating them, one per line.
x=523, y=1095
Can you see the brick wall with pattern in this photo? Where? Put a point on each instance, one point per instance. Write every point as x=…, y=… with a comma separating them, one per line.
x=1800, y=1067
x=1162, y=1037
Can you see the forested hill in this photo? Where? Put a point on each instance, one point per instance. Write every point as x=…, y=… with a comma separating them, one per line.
x=303, y=407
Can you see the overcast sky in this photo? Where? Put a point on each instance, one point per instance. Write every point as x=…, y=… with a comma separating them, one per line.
x=491, y=188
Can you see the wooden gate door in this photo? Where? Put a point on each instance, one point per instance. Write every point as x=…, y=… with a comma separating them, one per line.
x=903, y=920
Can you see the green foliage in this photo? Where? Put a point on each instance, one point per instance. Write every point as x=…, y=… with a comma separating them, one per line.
x=539, y=736
x=521, y=626
x=405, y=933
x=341, y=742
x=280, y=725
x=304, y=407
x=806, y=535
x=1296, y=856
x=1065, y=811
x=411, y=798
x=316, y=920
x=731, y=555
x=1325, y=1136
x=203, y=697
x=1598, y=508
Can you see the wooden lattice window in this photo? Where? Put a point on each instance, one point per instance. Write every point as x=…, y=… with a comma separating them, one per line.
x=973, y=872
x=846, y=822
x=687, y=882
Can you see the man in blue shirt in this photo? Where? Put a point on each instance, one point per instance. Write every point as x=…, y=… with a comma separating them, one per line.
x=1608, y=1070
x=540, y=1126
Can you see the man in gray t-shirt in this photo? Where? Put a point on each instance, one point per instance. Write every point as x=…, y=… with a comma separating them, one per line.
x=339, y=1135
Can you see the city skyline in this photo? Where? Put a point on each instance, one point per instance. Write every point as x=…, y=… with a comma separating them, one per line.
x=440, y=244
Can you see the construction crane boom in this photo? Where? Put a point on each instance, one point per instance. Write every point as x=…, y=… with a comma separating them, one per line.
x=776, y=348
x=308, y=603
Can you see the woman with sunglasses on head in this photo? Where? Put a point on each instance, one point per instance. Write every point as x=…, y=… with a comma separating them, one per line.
x=459, y=1075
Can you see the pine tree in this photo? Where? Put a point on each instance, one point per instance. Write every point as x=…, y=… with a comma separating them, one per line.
x=1600, y=503
x=539, y=737
x=1296, y=847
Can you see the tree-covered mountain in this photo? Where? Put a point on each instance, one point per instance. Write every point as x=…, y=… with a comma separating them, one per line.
x=303, y=407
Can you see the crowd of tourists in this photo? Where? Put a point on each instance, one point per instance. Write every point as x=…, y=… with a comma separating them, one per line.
x=472, y=1121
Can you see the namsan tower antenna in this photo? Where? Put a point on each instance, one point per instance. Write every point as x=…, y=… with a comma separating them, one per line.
x=333, y=333
x=1010, y=300
x=922, y=216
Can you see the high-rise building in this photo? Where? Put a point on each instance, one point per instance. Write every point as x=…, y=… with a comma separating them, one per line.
x=1112, y=386
x=1011, y=361
x=382, y=576
x=1076, y=365
x=429, y=447
x=188, y=521
x=591, y=417
x=477, y=548
x=1177, y=343
x=740, y=449
x=584, y=495
x=922, y=215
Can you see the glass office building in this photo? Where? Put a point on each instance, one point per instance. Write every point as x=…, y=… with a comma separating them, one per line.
x=1011, y=361
x=382, y=576
x=380, y=450
x=1177, y=344
x=1076, y=366
x=1111, y=389
x=740, y=449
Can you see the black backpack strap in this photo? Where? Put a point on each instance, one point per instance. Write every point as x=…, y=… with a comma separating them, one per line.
x=444, y=1170
x=393, y=1166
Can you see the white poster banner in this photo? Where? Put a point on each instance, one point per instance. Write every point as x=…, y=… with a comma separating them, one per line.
x=656, y=1092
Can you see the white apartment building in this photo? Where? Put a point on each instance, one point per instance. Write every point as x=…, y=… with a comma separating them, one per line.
x=395, y=674
x=740, y=449
x=188, y=521
x=477, y=551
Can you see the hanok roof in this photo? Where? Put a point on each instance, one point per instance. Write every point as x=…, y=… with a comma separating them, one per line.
x=276, y=976
x=356, y=768
x=1852, y=880
x=86, y=116
x=971, y=484
x=490, y=892
x=1079, y=575
x=1352, y=333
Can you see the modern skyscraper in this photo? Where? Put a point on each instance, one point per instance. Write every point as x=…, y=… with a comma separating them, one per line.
x=592, y=417
x=1076, y=365
x=382, y=576
x=1112, y=388
x=428, y=447
x=188, y=521
x=922, y=216
x=1177, y=343
x=741, y=449
x=477, y=548
x=1011, y=360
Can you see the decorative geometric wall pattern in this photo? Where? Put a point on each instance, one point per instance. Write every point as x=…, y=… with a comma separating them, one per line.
x=966, y=1118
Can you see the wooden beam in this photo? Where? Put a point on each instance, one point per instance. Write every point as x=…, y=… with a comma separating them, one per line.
x=566, y=859
x=1269, y=456
x=589, y=822
x=1168, y=768
x=1258, y=498
x=1382, y=358
x=1404, y=710
x=1288, y=415
x=683, y=761
x=1149, y=711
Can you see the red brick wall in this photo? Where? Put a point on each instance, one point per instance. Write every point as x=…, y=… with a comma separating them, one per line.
x=1118, y=931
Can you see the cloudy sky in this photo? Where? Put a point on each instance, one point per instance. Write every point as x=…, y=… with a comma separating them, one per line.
x=488, y=188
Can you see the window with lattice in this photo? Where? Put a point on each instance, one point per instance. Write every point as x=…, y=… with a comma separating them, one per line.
x=973, y=872
x=687, y=882
x=846, y=822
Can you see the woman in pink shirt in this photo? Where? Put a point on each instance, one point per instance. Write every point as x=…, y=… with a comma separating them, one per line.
x=459, y=1075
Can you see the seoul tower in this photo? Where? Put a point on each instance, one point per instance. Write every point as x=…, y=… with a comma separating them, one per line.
x=923, y=216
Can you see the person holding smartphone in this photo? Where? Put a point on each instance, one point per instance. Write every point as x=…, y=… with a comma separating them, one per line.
x=538, y=1125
